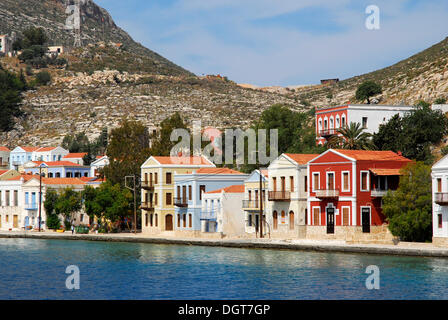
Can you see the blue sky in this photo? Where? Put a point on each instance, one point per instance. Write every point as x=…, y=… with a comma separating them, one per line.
x=281, y=42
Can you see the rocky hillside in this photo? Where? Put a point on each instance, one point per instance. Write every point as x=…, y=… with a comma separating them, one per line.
x=423, y=76
x=97, y=25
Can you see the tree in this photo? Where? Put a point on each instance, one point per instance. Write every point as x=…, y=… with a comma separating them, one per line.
x=409, y=209
x=11, y=88
x=68, y=203
x=108, y=202
x=162, y=143
x=414, y=134
x=51, y=198
x=441, y=100
x=34, y=37
x=127, y=150
x=352, y=137
x=367, y=90
x=390, y=135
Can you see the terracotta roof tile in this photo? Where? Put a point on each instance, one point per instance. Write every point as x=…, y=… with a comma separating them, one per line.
x=58, y=163
x=75, y=155
x=217, y=171
x=74, y=181
x=182, y=160
x=4, y=149
x=231, y=189
x=301, y=158
x=45, y=149
x=372, y=155
x=30, y=149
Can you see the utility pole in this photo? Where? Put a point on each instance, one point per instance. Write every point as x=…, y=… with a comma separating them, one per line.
x=134, y=189
x=261, y=204
x=40, y=196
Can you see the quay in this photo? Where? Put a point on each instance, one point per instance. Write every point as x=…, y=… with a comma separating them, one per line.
x=399, y=249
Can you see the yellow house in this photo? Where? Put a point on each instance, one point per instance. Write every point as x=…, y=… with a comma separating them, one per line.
x=251, y=202
x=158, y=189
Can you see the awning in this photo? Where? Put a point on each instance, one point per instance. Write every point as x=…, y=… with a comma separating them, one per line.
x=385, y=172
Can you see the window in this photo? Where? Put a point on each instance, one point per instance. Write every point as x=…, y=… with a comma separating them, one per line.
x=320, y=125
x=325, y=124
x=439, y=185
x=26, y=197
x=185, y=220
x=291, y=182
x=364, y=122
x=169, y=198
x=283, y=186
x=168, y=178
x=439, y=216
x=7, y=198
x=156, y=219
x=189, y=193
x=178, y=220
x=156, y=179
x=331, y=123
x=250, y=221
x=146, y=219
x=250, y=195
x=364, y=181
x=316, y=184
x=190, y=221
x=305, y=183
x=343, y=121
x=330, y=181
x=274, y=183
x=201, y=190
x=151, y=219
x=346, y=216
x=156, y=199
x=345, y=181
x=338, y=122
x=316, y=214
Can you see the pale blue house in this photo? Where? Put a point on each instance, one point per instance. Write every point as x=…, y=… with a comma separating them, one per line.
x=189, y=189
x=58, y=169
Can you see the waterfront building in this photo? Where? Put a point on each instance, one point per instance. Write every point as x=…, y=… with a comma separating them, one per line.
x=57, y=169
x=77, y=158
x=440, y=202
x=4, y=158
x=370, y=116
x=221, y=212
x=251, y=201
x=287, y=196
x=7, y=174
x=49, y=154
x=157, y=174
x=189, y=188
x=19, y=200
x=345, y=193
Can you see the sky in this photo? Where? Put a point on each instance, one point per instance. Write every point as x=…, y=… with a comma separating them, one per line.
x=281, y=42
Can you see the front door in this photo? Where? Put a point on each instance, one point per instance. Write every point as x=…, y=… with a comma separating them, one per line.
x=257, y=223
x=330, y=220
x=169, y=222
x=275, y=219
x=365, y=218
x=15, y=221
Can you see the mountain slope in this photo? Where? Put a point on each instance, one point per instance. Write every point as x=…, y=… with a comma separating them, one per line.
x=97, y=25
x=424, y=76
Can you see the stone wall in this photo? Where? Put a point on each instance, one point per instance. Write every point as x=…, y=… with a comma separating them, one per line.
x=440, y=242
x=351, y=234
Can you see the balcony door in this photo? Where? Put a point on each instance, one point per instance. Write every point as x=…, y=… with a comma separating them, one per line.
x=330, y=181
x=184, y=194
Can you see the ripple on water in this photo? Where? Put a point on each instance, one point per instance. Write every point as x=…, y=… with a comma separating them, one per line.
x=35, y=269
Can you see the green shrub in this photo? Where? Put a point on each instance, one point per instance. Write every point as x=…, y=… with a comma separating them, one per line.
x=440, y=100
x=43, y=78
x=53, y=222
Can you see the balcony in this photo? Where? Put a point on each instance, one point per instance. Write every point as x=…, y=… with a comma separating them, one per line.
x=328, y=132
x=378, y=193
x=441, y=198
x=31, y=206
x=251, y=204
x=148, y=206
x=330, y=193
x=279, y=196
x=181, y=202
x=148, y=185
x=208, y=215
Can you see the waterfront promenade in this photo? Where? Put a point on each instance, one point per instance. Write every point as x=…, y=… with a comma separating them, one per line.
x=402, y=248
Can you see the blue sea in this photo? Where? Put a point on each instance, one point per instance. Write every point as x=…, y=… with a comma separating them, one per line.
x=36, y=269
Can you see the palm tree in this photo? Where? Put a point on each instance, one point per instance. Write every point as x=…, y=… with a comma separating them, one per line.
x=352, y=137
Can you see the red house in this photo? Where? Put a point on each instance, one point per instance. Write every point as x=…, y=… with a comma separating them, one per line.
x=347, y=186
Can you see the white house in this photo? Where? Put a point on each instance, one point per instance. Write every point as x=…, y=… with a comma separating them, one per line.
x=4, y=157
x=222, y=211
x=21, y=155
x=49, y=154
x=19, y=201
x=440, y=202
x=98, y=164
x=5, y=44
x=77, y=158
x=370, y=116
